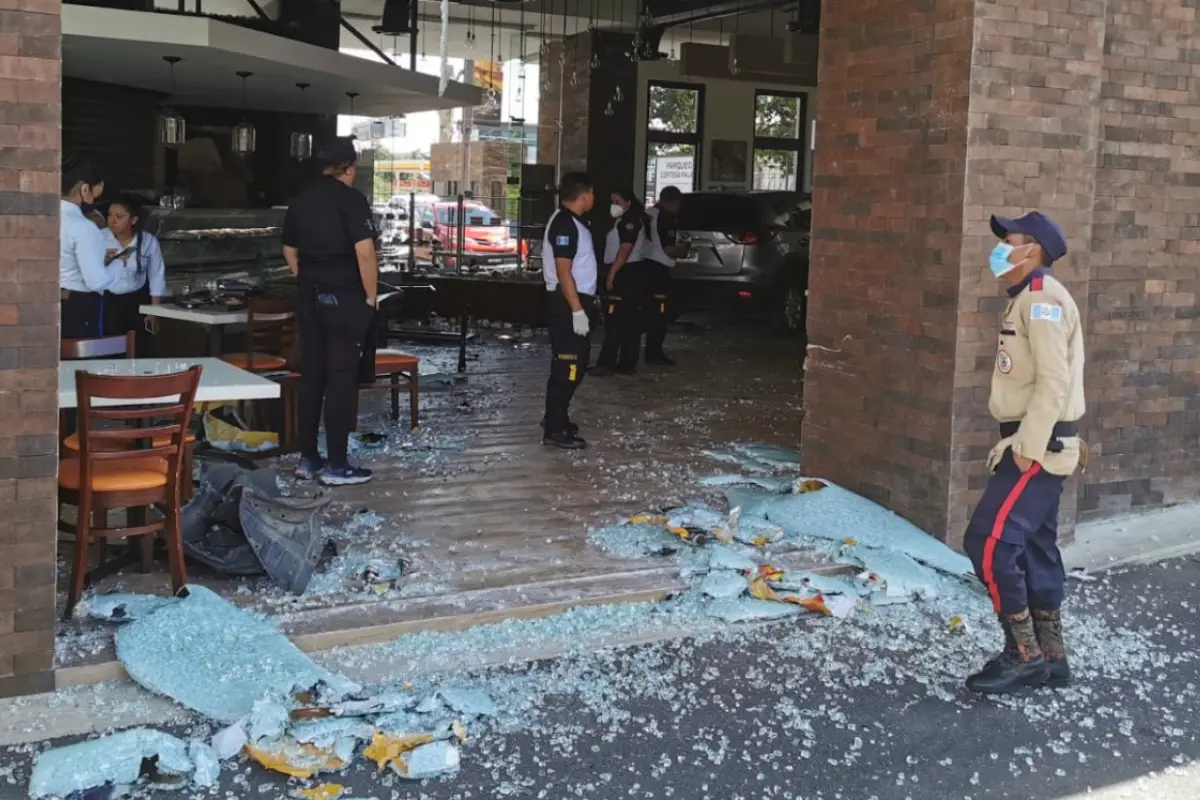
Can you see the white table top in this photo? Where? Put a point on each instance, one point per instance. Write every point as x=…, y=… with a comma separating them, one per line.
x=196, y=315
x=219, y=381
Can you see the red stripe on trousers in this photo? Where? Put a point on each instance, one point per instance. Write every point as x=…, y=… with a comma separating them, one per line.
x=989, y=549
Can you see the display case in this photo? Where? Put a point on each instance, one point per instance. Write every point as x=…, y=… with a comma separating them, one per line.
x=201, y=246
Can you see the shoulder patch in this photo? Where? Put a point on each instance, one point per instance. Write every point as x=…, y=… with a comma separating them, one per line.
x=629, y=226
x=1045, y=312
x=562, y=241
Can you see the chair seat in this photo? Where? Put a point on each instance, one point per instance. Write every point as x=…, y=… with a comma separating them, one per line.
x=395, y=361
x=119, y=476
x=72, y=442
x=262, y=361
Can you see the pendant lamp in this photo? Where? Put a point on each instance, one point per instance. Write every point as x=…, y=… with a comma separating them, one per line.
x=172, y=128
x=300, y=144
x=244, y=135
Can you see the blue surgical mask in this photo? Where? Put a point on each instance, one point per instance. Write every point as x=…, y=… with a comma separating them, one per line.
x=998, y=261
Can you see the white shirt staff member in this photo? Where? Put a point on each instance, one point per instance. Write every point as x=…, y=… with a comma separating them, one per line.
x=660, y=253
x=569, y=267
x=82, y=274
x=128, y=242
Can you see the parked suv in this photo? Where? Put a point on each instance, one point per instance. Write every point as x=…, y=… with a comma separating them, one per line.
x=745, y=249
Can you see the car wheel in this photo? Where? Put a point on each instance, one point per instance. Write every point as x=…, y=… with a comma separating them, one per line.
x=789, y=317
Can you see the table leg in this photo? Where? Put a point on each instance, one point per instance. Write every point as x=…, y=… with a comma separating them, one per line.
x=462, y=340
x=216, y=334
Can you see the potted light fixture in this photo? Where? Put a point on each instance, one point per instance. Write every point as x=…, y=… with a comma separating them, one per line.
x=244, y=135
x=172, y=128
x=300, y=144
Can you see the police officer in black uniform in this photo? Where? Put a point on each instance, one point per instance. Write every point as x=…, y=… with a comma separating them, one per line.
x=329, y=242
x=661, y=252
x=624, y=286
x=569, y=269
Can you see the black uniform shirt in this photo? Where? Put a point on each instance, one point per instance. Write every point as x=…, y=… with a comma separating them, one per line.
x=567, y=236
x=667, y=229
x=629, y=226
x=324, y=223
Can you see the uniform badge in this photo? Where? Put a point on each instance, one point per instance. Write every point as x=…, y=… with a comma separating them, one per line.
x=1004, y=363
x=562, y=241
x=1045, y=312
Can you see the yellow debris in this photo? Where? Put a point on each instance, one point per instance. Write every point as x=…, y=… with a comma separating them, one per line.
x=682, y=533
x=647, y=519
x=759, y=589
x=385, y=749
x=295, y=760
x=761, y=541
x=850, y=541
x=814, y=604
x=460, y=730
x=326, y=791
x=956, y=622
x=810, y=485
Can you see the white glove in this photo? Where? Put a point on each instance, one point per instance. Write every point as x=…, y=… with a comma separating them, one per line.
x=579, y=321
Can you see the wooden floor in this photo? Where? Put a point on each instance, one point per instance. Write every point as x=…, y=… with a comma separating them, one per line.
x=494, y=523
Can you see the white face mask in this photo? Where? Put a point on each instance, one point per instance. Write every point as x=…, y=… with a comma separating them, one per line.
x=616, y=211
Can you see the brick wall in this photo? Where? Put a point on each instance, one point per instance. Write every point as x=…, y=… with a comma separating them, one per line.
x=29, y=164
x=935, y=115
x=1032, y=143
x=1144, y=320
x=887, y=213
x=572, y=78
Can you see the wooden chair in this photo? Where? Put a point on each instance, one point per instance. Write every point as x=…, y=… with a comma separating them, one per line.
x=112, y=473
x=272, y=336
x=404, y=374
x=272, y=344
x=111, y=347
x=106, y=347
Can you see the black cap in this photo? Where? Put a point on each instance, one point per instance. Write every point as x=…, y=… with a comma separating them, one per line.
x=1044, y=231
x=338, y=152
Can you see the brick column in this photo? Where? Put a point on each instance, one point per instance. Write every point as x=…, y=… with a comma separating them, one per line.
x=30, y=45
x=1144, y=321
x=592, y=139
x=932, y=116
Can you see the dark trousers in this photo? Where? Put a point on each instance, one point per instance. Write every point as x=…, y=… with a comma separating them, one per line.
x=623, y=319
x=81, y=314
x=333, y=327
x=121, y=315
x=1012, y=538
x=655, y=308
x=569, y=359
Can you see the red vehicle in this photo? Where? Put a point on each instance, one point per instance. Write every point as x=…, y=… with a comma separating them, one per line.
x=486, y=238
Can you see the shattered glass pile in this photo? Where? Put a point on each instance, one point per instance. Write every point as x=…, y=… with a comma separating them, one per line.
x=728, y=557
x=277, y=706
x=279, y=709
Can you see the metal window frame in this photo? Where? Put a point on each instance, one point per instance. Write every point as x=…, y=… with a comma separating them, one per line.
x=695, y=140
x=796, y=145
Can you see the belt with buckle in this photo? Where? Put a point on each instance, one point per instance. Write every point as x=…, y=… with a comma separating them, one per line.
x=1062, y=430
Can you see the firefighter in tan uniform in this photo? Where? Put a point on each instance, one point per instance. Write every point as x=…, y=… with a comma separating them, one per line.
x=1037, y=397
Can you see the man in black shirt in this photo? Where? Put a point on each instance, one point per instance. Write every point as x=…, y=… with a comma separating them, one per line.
x=569, y=269
x=661, y=252
x=329, y=243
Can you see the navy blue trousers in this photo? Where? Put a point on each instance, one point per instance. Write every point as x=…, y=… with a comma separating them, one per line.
x=1012, y=538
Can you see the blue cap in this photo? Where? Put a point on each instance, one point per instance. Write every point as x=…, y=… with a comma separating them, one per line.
x=1044, y=231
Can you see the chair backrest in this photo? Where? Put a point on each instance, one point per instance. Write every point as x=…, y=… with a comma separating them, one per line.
x=151, y=407
x=106, y=347
x=272, y=329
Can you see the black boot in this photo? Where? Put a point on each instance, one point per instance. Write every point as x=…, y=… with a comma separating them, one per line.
x=1019, y=666
x=1048, y=627
x=572, y=428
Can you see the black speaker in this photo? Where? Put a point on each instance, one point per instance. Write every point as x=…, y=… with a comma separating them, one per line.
x=397, y=18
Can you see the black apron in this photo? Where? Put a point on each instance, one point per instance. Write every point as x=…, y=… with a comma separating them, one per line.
x=119, y=312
